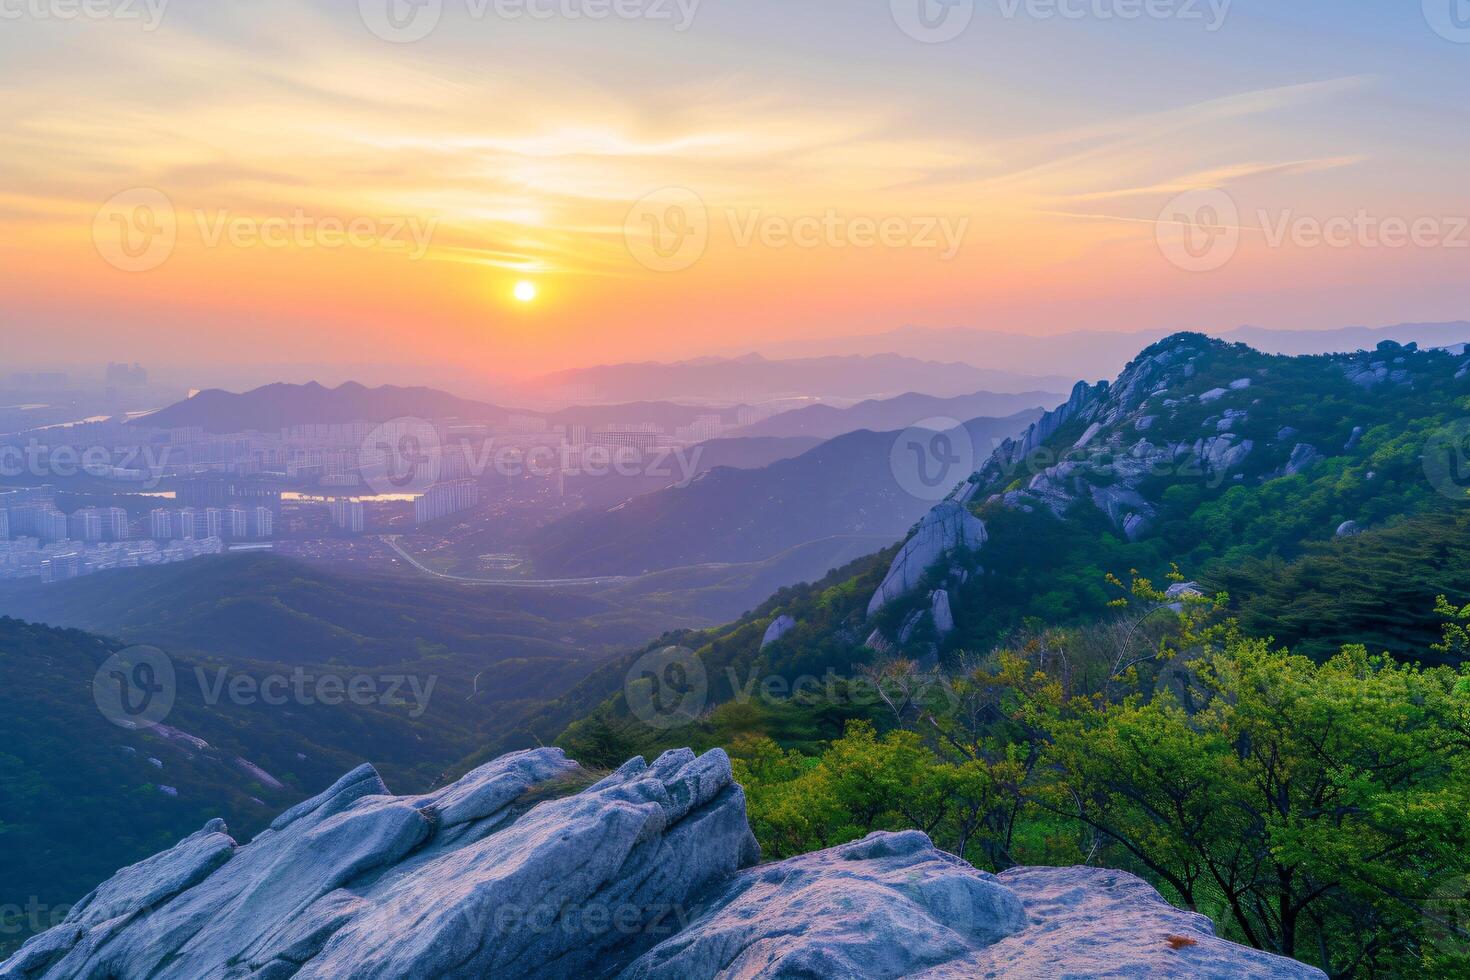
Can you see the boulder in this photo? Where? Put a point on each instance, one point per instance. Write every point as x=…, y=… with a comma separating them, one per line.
x=464, y=882
x=1303, y=456
x=941, y=613
x=1091, y=922
x=527, y=868
x=889, y=905
x=779, y=627
x=944, y=529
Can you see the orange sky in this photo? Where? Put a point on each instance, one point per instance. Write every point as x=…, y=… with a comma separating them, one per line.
x=520, y=151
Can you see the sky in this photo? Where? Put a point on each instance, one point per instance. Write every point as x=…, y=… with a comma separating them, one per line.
x=521, y=186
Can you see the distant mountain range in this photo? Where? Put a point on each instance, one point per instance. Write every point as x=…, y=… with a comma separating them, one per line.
x=844, y=487
x=755, y=378
x=1094, y=354
x=894, y=414
x=276, y=406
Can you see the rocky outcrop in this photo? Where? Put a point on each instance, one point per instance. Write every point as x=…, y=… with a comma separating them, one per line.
x=890, y=905
x=517, y=871
x=945, y=529
x=1091, y=922
x=941, y=613
x=469, y=881
x=779, y=627
x=1303, y=457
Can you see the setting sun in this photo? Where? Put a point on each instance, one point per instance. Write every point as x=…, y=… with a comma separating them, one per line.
x=525, y=291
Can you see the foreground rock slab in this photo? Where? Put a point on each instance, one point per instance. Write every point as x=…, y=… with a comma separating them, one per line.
x=532, y=867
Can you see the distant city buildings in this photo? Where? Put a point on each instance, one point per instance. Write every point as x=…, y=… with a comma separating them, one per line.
x=347, y=514
x=444, y=499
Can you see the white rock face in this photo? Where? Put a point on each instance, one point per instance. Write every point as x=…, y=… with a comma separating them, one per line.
x=943, y=615
x=464, y=882
x=1091, y=922
x=645, y=875
x=890, y=905
x=945, y=528
x=779, y=627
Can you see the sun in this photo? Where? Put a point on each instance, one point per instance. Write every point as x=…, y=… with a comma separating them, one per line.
x=525, y=291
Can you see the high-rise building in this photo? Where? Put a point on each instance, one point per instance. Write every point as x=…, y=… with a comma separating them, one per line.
x=85, y=525
x=51, y=525
x=115, y=524
x=237, y=523
x=59, y=568
x=210, y=523
x=262, y=522
x=444, y=499
x=186, y=524
x=161, y=524
x=347, y=514
x=4, y=525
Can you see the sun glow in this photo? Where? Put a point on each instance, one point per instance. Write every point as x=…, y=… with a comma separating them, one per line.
x=525, y=291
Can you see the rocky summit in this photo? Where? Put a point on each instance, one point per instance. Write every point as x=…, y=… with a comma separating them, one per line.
x=532, y=867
